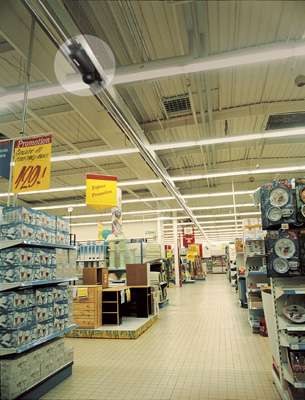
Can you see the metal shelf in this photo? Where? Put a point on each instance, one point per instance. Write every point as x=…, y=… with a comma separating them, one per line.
x=4, y=351
x=253, y=324
x=256, y=255
x=290, y=378
x=91, y=259
x=254, y=290
x=284, y=393
x=280, y=291
x=283, y=324
x=4, y=244
x=293, y=346
x=25, y=285
x=257, y=272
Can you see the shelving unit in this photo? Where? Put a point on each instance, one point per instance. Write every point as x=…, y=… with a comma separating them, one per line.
x=255, y=278
x=33, y=338
x=232, y=269
x=219, y=264
x=285, y=341
x=19, y=350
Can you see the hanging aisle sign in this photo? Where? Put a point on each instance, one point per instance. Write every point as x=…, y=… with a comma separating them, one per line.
x=5, y=158
x=32, y=164
x=101, y=191
x=188, y=236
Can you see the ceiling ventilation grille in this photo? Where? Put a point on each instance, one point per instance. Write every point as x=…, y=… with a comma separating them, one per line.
x=177, y=106
x=282, y=121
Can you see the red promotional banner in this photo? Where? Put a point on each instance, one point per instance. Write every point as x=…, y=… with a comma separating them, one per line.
x=188, y=236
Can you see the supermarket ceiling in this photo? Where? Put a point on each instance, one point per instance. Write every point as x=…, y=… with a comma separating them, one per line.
x=203, y=107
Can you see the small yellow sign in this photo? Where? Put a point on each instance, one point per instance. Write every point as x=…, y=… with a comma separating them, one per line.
x=127, y=294
x=190, y=256
x=32, y=164
x=169, y=254
x=194, y=247
x=101, y=191
x=82, y=292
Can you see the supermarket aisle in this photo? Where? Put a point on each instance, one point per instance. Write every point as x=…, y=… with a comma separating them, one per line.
x=201, y=347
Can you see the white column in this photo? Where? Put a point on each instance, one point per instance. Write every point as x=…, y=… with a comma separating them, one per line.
x=176, y=253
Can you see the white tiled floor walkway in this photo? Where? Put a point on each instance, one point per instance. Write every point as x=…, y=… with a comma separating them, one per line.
x=201, y=347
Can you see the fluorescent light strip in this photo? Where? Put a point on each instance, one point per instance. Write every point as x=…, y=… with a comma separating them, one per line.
x=238, y=173
x=149, y=199
x=204, y=222
x=102, y=153
x=205, y=227
x=197, y=196
x=230, y=139
x=144, y=212
x=223, y=60
x=59, y=207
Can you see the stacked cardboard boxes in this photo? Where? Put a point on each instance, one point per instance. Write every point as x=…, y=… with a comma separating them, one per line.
x=20, y=372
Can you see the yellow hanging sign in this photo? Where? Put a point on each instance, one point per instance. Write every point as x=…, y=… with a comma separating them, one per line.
x=169, y=254
x=190, y=256
x=101, y=191
x=32, y=164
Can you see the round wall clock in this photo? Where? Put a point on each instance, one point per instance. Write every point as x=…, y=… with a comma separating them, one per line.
x=275, y=214
x=279, y=197
x=281, y=265
x=285, y=248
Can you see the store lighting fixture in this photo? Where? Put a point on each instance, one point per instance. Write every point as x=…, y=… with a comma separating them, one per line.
x=257, y=54
x=102, y=153
x=204, y=222
x=230, y=139
x=177, y=218
x=59, y=207
x=200, y=195
x=238, y=173
x=144, y=212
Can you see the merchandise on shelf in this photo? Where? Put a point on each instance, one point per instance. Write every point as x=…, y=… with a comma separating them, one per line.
x=277, y=203
x=283, y=253
x=22, y=223
x=252, y=228
x=21, y=371
x=300, y=199
x=27, y=315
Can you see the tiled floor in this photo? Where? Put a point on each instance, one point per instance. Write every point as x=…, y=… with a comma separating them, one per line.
x=201, y=347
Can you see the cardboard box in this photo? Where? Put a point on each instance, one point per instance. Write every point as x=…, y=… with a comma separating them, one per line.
x=13, y=367
x=137, y=274
x=13, y=388
x=68, y=354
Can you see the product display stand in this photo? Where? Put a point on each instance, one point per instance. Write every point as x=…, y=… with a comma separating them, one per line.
x=256, y=273
x=232, y=270
x=32, y=336
x=288, y=343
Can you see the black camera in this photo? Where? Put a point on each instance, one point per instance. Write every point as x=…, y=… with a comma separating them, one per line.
x=83, y=63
